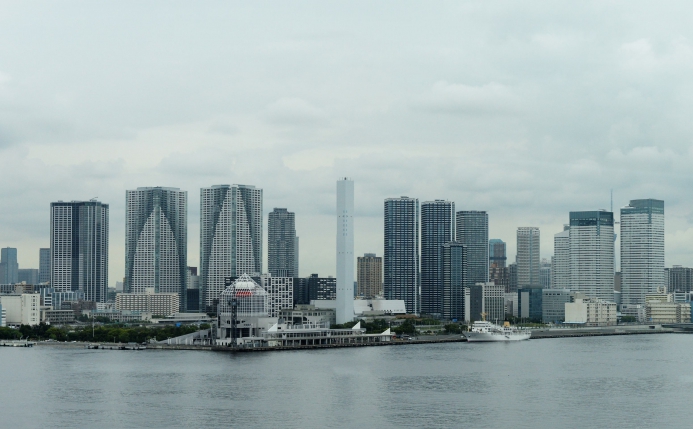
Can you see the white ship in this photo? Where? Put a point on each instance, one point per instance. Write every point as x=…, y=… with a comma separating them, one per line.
x=487, y=331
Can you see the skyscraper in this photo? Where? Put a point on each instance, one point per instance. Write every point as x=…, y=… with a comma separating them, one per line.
x=454, y=272
x=527, y=258
x=437, y=228
x=230, y=237
x=401, y=255
x=28, y=276
x=642, y=250
x=560, y=263
x=545, y=274
x=592, y=254
x=472, y=231
x=497, y=253
x=44, y=265
x=282, y=249
x=345, y=250
x=79, y=248
x=156, y=241
x=8, y=266
x=369, y=269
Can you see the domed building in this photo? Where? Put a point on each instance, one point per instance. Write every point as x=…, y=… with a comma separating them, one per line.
x=252, y=314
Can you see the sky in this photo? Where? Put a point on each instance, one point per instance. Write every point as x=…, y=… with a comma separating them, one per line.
x=527, y=110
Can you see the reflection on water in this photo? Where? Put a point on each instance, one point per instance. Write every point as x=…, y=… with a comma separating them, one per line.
x=629, y=381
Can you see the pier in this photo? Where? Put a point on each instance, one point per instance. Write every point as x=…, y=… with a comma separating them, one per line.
x=16, y=343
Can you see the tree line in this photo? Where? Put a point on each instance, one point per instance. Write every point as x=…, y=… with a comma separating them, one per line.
x=112, y=333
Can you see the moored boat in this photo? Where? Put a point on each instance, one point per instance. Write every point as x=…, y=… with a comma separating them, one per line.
x=487, y=331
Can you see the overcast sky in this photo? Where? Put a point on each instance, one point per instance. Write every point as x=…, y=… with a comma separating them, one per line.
x=524, y=109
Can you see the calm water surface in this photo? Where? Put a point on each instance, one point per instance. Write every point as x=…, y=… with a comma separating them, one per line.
x=641, y=381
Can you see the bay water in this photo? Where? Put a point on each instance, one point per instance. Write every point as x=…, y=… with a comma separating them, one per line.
x=637, y=381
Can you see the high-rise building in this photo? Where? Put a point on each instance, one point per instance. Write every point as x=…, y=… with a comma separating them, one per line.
x=512, y=278
x=455, y=268
x=369, y=269
x=156, y=241
x=44, y=265
x=437, y=228
x=499, y=276
x=545, y=274
x=497, y=253
x=79, y=248
x=472, y=231
x=345, y=250
x=401, y=255
x=592, y=254
x=280, y=293
x=230, y=237
x=642, y=250
x=560, y=262
x=28, y=275
x=8, y=266
x=528, y=262
x=680, y=279
x=282, y=249
x=487, y=300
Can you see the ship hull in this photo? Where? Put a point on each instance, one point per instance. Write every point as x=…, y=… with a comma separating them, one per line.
x=496, y=337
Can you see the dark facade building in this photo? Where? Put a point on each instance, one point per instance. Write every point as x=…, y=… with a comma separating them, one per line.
x=29, y=276
x=401, y=269
x=497, y=253
x=476, y=302
x=529, y=304
x=282, y=243
x=301, y=291
x=500, y=276
x=322, y=287
x=472, y=231
x=8, y=266
x=193, y=300
x=44, y=265
x=680, y=279
x=512, y=278
x=455, y=270
x=79, y=248
x=437, y=228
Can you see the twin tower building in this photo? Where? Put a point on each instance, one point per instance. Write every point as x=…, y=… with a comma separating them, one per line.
x=156, y=240
x=230, y=240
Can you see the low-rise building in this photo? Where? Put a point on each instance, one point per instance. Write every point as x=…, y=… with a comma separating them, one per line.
x=307, y=314
x=3, y=317
x=529, y=303
x=662, y=308
x=158, y=304
x=366, y=307
x=22, y=309
x=553, y=305
x=590, y=312
x=121, y=316
x=57, y=317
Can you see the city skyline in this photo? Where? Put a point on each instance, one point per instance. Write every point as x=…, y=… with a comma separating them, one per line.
x=545, y=254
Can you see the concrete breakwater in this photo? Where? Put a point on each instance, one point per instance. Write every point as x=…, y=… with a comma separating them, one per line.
x=540, y=333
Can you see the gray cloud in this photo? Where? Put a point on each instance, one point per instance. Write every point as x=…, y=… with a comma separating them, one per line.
x=527, y=111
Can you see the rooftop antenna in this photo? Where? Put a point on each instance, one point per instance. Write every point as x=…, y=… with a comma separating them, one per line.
x=612, y=200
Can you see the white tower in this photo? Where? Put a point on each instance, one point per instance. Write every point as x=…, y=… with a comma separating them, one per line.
x=345, y=250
